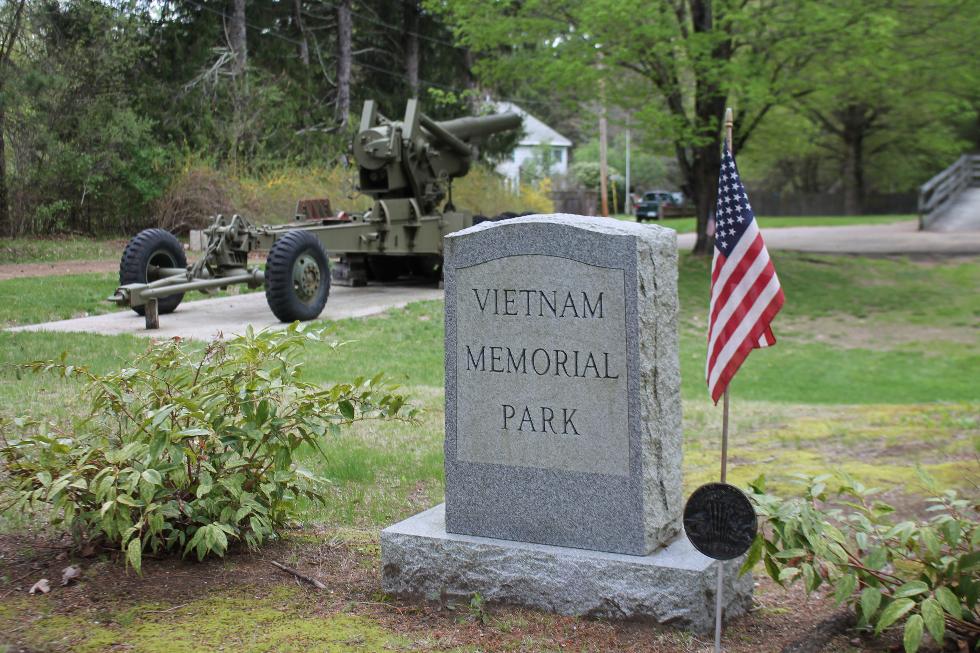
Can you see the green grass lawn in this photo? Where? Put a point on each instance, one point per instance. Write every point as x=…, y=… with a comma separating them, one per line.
x=689, y=225
x=31, y=300
x=875, y=355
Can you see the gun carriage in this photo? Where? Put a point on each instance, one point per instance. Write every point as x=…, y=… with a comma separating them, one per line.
x=406, y=167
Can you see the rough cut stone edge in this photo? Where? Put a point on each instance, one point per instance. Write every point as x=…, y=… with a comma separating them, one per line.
x=660, y=400
x=674, y=586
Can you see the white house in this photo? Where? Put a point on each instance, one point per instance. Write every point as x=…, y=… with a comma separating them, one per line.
x=537, y=136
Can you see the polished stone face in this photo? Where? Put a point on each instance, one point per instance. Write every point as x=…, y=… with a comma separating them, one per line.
x=562, y=383
x=541, y=365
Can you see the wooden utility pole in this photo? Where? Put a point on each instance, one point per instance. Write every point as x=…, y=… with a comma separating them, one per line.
x=628, y=203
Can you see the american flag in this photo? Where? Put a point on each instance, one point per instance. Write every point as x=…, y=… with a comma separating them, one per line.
x=745, y=292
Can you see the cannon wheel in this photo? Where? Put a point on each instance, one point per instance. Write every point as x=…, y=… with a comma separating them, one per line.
x=152, y=248
x=297, y=277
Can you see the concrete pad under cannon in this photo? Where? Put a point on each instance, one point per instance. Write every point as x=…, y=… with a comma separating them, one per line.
x=203, y=319
x=674, y=585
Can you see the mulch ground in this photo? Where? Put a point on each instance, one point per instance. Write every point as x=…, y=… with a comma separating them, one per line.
x=783, y=620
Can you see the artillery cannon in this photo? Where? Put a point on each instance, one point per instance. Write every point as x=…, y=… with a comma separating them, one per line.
x=406, y=166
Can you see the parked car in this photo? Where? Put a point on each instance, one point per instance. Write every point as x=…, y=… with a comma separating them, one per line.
x=649, y=205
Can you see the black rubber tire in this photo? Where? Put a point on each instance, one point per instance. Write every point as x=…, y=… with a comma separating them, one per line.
x=152, y=247
x=281, y=292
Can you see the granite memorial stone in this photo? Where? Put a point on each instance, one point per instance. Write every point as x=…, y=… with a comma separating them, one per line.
x=563, y=429
x=562, y=422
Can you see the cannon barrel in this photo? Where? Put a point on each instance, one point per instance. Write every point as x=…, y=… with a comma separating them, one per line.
x=470, y=127
x=445, y=137
x=454, y=133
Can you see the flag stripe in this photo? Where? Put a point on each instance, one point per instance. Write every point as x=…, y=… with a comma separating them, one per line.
x=744, y=350
x=745, y=290
x=743, y=275
x=745, y=309
x=747, y=330
x=731, y=298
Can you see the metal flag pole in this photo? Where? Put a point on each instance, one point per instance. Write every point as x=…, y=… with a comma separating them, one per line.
x=729, y=121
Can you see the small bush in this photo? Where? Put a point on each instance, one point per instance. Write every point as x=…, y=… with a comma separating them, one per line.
x=920, y=576
x=270, y=198
x=188, y=450
x=482, y=191
x=195, y=195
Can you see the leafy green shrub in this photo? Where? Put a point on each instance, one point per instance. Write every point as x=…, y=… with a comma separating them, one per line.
x=189, y=449
x=923, y=576
x=482, y=191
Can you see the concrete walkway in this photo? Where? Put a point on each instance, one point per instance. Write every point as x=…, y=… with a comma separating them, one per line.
x=901, y=238
x=203, y=319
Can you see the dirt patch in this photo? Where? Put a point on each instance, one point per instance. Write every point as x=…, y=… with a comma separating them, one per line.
x=19, y=270
x=61, y=268
x=854, y=333
x=171, y=592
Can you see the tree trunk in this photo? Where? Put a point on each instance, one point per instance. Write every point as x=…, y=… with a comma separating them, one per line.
x=709, y=110
x=304, y=46
x=705, y=163
x=7, y=42
x=703, y=182
x=852, y=174
x=344, y=36
x=6, y=224
x=857, y=122
x=411, y=39
x=237, y=39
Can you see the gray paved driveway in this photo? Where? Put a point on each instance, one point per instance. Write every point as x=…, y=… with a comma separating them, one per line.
x=878, y=239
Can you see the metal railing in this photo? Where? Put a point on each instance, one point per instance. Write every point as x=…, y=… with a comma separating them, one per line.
x=940, y=192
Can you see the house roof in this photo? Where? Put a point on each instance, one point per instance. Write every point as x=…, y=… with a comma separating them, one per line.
x=536, y=132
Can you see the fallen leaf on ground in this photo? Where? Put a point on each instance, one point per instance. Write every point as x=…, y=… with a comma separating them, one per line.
x=41, y=586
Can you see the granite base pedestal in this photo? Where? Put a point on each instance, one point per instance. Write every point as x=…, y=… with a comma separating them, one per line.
x=674, y=585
